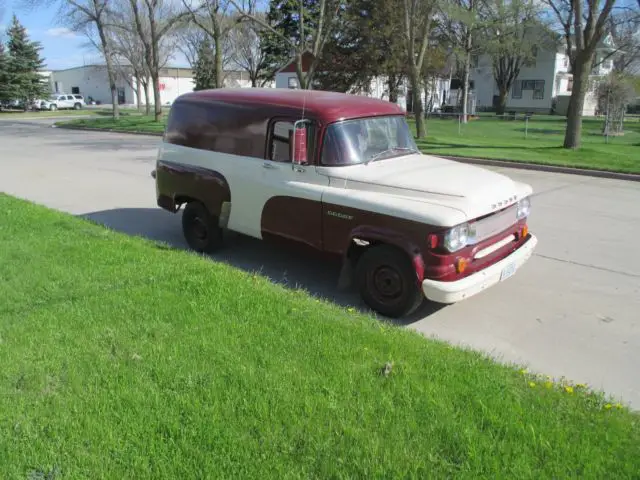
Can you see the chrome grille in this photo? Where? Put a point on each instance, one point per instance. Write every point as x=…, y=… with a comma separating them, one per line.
x=494, y=224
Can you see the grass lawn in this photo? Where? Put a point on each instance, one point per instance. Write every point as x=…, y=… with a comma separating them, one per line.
x=122, y=358
x=127, y=123
x=487, y=137
x=15, y=114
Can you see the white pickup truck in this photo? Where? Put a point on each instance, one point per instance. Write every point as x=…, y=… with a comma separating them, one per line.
x=341, y=174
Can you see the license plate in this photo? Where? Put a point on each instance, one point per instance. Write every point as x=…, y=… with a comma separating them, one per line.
x=508, y=271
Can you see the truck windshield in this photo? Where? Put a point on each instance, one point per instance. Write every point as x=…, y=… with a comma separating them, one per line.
x=367, y=139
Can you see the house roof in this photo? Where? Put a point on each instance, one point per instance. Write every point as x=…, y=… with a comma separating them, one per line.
x=307, y=58
x=325, y=106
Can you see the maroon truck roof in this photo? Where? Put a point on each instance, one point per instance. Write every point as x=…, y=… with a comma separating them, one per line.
x=325, y=106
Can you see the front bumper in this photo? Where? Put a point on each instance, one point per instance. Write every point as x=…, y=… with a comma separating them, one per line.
x=452, y=292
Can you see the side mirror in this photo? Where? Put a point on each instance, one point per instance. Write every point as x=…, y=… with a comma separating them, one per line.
x=299, y=146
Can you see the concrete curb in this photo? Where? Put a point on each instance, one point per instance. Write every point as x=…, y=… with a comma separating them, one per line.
x=475, y=161
x=633, y=177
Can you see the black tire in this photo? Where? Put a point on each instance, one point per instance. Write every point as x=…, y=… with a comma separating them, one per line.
x=386, y=279
x=53, y=107
x=200, y=228
x=77, y=106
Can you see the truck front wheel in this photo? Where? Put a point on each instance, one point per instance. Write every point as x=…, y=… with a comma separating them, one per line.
x=200, y=228
x=387, y=283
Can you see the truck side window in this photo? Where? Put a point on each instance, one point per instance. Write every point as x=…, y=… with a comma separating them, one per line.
x=280, y=145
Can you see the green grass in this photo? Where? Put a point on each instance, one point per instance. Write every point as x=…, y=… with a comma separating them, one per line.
x=122, y=358
x=130, y=123
x=487, y=137
x=15, y=114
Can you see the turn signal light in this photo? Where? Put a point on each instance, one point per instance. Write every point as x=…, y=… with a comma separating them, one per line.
x=524, y=232
x=461, y=265
x=432, y=240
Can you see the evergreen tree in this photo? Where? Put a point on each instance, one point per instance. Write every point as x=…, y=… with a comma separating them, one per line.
x=205, y=69
x=4, y=80
x=24, y=81
x=368, y=42
x=284, y=17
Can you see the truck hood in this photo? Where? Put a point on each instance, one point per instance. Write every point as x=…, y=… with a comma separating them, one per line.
x=473, y=190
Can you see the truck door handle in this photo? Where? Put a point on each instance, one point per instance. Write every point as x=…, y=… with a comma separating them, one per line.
x=269, y=165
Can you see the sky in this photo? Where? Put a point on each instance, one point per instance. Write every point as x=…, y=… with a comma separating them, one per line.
x=61, y=48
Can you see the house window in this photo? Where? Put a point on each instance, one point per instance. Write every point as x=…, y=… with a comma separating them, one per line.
x=516, y=91
x=75, y=90
x=538, y=90
x=293, y=82
x=474, y=61
x=570, y=84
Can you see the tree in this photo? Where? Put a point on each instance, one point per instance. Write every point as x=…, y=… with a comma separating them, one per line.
x=154, y=20
x=129, y=53
x=367, y=43
x=5, y=93
x=583, y=25
x=246, y=47
x=212, y=16
x=90, y=17
x=129, y=59
x=349, y=57
x=188, y=40
x=624, y=27
x=298, y=26
x=23, y=66
x=512, y=36
x=615, y=93
x=418, y=16
x=463, y=22
x=205, y=74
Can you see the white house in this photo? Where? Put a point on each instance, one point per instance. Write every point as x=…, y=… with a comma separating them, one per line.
x=543, y=85
x=92, y=81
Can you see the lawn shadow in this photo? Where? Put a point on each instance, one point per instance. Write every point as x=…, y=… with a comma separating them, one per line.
x=282, y=265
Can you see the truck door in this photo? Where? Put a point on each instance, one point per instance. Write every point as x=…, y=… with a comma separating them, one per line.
x=290, y=196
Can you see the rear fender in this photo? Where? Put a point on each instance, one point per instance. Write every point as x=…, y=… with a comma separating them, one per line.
x=182, y=183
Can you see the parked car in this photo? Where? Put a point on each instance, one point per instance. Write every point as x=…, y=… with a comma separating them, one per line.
x=61, y=101
x=341, y=174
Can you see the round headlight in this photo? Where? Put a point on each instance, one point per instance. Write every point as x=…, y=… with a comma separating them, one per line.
x=457, y=237
x=524, y=208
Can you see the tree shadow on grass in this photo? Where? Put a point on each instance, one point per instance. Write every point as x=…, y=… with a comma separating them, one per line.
x=283, y=265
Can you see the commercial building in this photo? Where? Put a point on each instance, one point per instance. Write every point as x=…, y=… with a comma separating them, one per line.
x=92, y=82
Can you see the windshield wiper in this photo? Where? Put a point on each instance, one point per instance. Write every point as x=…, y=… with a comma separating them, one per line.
x=375, y=157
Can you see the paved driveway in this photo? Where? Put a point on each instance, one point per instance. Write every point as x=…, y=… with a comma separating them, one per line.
x=573, y=310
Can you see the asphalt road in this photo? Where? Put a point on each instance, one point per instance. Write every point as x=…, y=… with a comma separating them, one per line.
x=572, y=311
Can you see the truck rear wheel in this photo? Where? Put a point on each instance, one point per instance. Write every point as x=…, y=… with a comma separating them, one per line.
x=200, y=228
x=387, y=283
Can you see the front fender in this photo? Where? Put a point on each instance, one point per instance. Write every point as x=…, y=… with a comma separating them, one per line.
x=377, y=235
